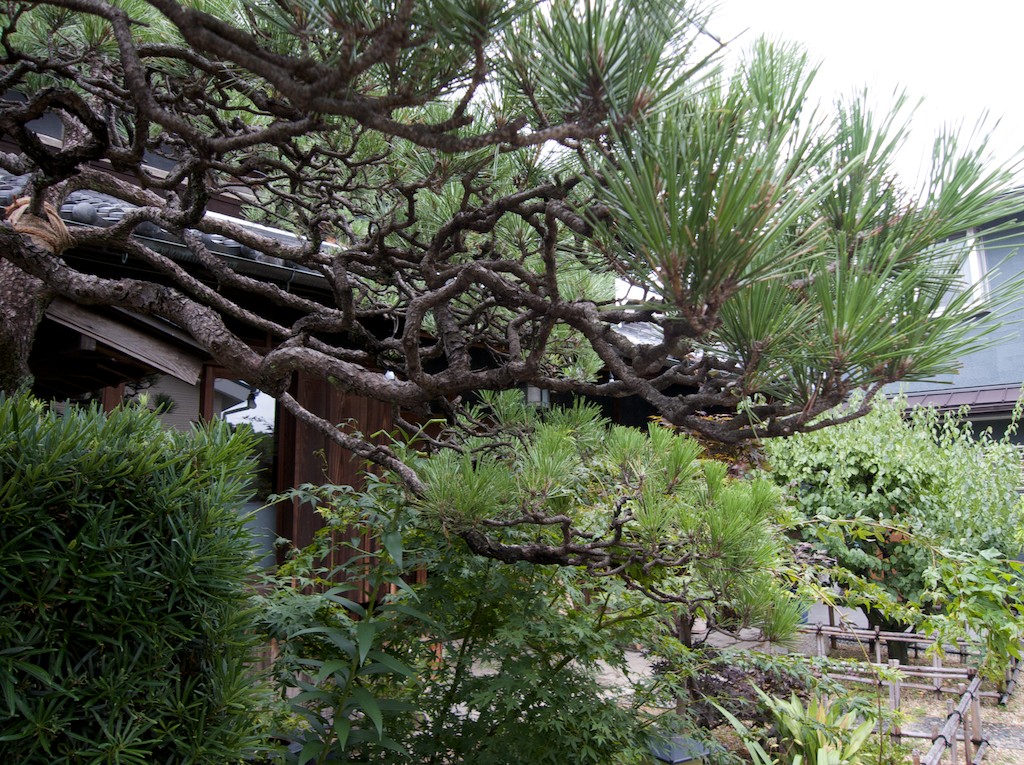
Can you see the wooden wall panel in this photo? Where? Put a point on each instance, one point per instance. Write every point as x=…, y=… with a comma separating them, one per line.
x=307, y=456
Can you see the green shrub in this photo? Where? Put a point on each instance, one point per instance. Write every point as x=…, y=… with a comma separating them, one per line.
x=822, y=733
x=922, y=518
x=484, y=663
x=123, y=609
x=927, y=475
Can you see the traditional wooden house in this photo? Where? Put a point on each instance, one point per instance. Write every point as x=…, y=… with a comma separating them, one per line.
x=101, y=354
x=990, y=379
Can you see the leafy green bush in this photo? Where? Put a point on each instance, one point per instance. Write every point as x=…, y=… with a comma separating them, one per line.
x=336, y=626
x=498, y=661
x=124, y=615
x=822, y=733
x=520, y=651
x=643, y=507
x=927, y=474
x=482, y=663
x=921, y=510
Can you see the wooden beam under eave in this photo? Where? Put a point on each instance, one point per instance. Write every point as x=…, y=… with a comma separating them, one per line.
x=145, y=347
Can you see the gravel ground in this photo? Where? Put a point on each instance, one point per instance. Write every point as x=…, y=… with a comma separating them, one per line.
x=1002, y=726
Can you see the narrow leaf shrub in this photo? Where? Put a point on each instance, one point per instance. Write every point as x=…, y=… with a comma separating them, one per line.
x=123, y=609
x=484, y=663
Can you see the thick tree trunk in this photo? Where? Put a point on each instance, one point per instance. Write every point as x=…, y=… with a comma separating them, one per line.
x=896, y=649
x=23, y=298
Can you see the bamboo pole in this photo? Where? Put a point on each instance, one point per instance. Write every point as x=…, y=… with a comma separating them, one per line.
x=947, y=736
x=978, y=739
x=934, y=755
x=894, y=698
x=866, y=635
x=950, y=711
x=1011, y=682
x=968, y=734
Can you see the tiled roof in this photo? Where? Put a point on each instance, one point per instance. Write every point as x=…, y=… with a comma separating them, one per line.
x=641, y=333
x=11, y=187
x=91, y=208
x=983, y=400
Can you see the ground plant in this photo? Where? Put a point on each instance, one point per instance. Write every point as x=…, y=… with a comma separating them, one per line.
x=818, y=732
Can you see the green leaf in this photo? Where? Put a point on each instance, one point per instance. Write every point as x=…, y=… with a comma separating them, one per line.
x=366, y=631
x=392, y=664
x=311, y=750
x=392, y=541
x=367, y=703
x=342, y=727
x=336, y=636
x=338, y=668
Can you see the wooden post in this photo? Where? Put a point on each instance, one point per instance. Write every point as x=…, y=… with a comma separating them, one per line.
x=965, y=719
x=916, y=757
x=832, y=623
x=937, y=663
x=878, y=646
x=976, y=720
x=112, y=397
x=968, y=747
x=894, y=698
x=951, y=742
x=819, y=642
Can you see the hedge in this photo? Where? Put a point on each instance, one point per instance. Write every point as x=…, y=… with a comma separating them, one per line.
x=124, y=621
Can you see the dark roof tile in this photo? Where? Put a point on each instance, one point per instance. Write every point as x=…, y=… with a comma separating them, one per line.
x=981, y=400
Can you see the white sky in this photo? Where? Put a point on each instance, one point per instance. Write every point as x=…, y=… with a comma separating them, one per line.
x=963, y=59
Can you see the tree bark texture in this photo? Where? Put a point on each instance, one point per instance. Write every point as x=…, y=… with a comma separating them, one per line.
x=23, y=299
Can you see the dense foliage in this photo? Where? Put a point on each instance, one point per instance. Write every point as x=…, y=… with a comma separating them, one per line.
x=124, y=617
x=480, y=663
x=566, y=486
x=496, y=659
x=916, y=473
x=462, y=178
x=919, y=508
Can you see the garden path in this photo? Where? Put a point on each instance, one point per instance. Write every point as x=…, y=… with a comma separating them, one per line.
x=1003, y=726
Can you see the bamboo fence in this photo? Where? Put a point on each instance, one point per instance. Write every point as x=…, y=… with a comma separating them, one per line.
x=961, y=739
